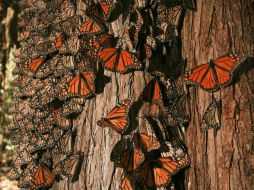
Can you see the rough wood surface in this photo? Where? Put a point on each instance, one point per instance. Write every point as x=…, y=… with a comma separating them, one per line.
x=221, y=159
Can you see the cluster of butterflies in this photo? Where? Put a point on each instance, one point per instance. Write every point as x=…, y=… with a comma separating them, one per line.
x=57, y=64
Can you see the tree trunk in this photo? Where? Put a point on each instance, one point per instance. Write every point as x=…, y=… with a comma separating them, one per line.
x=223, y=158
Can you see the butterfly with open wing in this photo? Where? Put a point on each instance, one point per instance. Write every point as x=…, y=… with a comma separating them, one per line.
x=127, y=156
x=118, y=60
x=69, y=165
x=156, y=171
x=117, y=118
x=92, y=26
x=216, y=74
x=128, y=153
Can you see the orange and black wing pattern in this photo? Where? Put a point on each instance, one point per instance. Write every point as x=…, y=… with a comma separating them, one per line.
x=117, y=118
x=153, y=92
x=127, y=183
x=43, y=177
x=118, y=60
x=216, y=74
x=125, y=155
x=68, y=166
x=81, y=85
x=156, y=172
x=35, y=64
x=92, y=27
x=145, y=142
x=177, y=153
x=101, y=9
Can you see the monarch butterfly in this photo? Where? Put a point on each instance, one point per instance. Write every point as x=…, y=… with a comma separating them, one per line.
x=19, y=69
x=93, y=44
x=57, y=118
x=68, y=166
x=34, y=64
x=69, y=26
x=43, y=177
x=17, y=106
x=81, y=85
x=36, y=23
x=24, y=4
x=101, y=9
x=176, y=152
x=126, y=155
x=62, y=145
x=64, y=11
x=56, y=39
x=169, y=21
x=92, y=27
x=99, y=42
x=70, y=46
x=117, y=118
x=23, y=36
x=39, y=142
x=58, y=66
x=156, y=172
x=178, y=110
x=44, y=128
x=127, y=183
x=216, y=74
x=153, y=92
x=119, y=60
x=71, y=107
x=145, y=142
x=212, y=116
x=21, y=81
x=22, y=156
x=46, y=95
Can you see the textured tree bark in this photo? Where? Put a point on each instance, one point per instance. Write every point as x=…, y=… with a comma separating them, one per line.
x=221, y=159
x=98, y=172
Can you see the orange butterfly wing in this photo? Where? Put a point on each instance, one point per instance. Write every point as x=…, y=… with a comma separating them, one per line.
x=92, y=27
x=145, y=142
x=156, y=173
x=131, y=159
x=117, y=59
x=152, y=92
x=101, y=9
x=127, y=183
x=81, y=85
x=59, y=42
x=43, y=177
x=117, y=118
x=34, y=64
x=106, y=7
x=216, y=74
